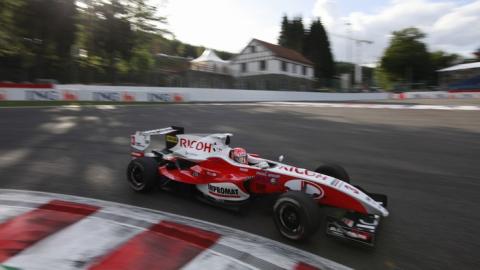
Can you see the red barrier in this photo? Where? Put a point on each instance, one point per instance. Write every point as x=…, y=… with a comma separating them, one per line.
x=27, y=85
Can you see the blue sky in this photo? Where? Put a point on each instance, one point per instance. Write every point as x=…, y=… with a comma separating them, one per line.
x=230, y=24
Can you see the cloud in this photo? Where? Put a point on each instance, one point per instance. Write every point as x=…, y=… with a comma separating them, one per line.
x=450, y=26
x=326, y=10
x=220, y=24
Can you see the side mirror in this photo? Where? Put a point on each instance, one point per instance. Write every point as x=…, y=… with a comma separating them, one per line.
x=281, y=158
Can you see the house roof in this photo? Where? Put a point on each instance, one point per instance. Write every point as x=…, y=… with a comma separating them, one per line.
x=285, y=52
x=461, y=66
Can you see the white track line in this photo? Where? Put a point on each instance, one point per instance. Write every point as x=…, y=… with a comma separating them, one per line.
x=374, y=106
x=214, y=261
x=279, y=104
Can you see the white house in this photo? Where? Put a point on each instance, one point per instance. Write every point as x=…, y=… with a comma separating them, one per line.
x=262, y=65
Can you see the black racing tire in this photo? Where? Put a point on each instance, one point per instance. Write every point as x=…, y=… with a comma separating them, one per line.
x=142, y=174
x=296, y=215
x=334, y=170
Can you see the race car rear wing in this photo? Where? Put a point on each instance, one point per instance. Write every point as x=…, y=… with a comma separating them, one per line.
x=141, y=139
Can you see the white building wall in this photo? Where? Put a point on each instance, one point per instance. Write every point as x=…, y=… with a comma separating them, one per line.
x=310, y=72
x=290, y=69
x=274, y=65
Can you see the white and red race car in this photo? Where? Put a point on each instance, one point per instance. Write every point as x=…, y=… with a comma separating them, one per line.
x=203, y=163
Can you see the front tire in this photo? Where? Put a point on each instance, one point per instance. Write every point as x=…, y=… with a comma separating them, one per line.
x=296, y=215
x=335, y=171
x=142, y=174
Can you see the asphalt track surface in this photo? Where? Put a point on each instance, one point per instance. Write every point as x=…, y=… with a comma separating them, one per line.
x=426, y=161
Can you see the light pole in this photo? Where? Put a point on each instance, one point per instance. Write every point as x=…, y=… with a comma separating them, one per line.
x=354, y=58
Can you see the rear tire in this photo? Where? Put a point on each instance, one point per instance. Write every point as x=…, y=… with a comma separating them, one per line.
x=296, y=215
x=335, y=171
x=142, y=174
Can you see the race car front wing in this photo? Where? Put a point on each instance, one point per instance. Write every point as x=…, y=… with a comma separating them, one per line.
x=354, y=227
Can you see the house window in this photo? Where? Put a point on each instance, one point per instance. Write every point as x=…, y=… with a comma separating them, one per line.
x=263, y=65
x=294, y=68
x=304, y=70
x=252, y=49
x=244, y=67
x=284, y=66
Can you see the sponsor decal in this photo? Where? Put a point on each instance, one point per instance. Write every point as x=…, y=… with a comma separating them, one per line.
x=301, y=171
x=127, y=97
x=142, y=143
x=261, y=177
x=197, y=145
x=41, y=95
x=159, y=97
x=273, y=178
x=171, y=138
x=209, y=173
x=69, y=96
x=178, y=98
x=358, y=235
x=223, y=191
x=354, y=190
x=106, y=96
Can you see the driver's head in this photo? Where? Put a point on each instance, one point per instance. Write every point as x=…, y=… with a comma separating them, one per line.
x=239, y=155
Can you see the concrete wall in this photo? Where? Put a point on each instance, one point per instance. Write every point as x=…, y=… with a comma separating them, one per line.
x=75, y=92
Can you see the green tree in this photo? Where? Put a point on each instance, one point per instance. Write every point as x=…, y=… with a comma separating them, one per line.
x=143, y=18
x=44, y=31
x=146, y=26
x=441, y=59
x=382, y=79
x=124, y=35
x=112, y=36
x=10, y=34
x=316, y=47
x=297, y=35
x=406, y=59
x=292, y=33
x=283, y=39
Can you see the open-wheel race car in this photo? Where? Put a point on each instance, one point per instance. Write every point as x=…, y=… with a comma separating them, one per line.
x=230, y=177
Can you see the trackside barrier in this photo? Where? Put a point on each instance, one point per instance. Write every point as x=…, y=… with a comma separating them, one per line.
x=47, y=92
x=78, y=92
x=166, y=94
x=437, y=95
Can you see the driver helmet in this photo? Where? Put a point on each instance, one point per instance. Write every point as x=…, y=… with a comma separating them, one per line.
x=239, y=155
